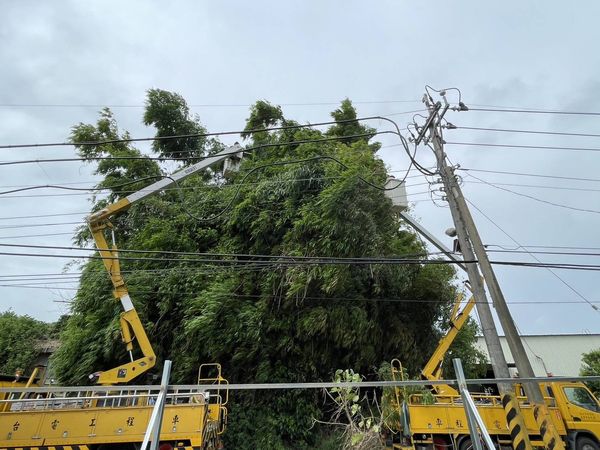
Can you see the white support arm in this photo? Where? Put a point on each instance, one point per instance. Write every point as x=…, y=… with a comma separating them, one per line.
x=184, y=173
x=105, y=213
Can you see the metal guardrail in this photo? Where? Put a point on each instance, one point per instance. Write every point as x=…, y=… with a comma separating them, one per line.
x=308, y=385
x=479, y=399
x=44, y=400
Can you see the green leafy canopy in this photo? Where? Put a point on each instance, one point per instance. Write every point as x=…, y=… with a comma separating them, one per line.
x=591, y=367
x=263, y=324
x=18, y=338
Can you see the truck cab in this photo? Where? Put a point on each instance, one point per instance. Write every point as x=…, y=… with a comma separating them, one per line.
x=440, y=421
x=580, y=411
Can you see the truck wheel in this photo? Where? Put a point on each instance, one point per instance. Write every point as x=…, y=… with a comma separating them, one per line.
x=586, y=443
x=466, y=444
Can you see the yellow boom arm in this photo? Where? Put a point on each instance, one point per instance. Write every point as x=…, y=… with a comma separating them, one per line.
x=433, y=368
x=131, y=326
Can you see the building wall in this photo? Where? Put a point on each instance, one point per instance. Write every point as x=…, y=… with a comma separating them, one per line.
x=559, y=355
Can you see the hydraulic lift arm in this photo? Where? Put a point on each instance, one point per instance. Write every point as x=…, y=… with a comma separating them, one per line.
x=131, y=326
x=433, y=368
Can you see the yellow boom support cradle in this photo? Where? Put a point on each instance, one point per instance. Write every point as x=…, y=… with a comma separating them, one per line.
x=433, y=368
x=111, y=416
x=131, y=327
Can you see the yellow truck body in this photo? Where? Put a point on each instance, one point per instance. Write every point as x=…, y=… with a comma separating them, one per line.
x=117, y=417
x=439, y=419
x=442, y=421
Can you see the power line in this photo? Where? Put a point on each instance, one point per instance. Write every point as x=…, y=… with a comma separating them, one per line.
x=238, y=187
x=65, y=183
x=538, y=147
x=563, y=281
x=79, y=194
x=23, y=236
x=102, y=273
x=199, y=158
x=73, y=278
x=135, y=291
x=541, y=252
x=223, y=255
x=544, y=246
x=558, y=177
x=537, y=186
x=201, y=135
x=28, y=225
x=39, y=216
x=537, y=111
x=312, y=141
x=110, y=190
x=509, y=130
x=83, y=223
x=520, y=194
x=74, y=194
x=25, y=225
x=284, y=261
x=94, y=271
x=191, y=105
x=219, y=258
x=403, y=142
x=94, y=182
x=511, y=107
x=193, y=388
x=107, y=191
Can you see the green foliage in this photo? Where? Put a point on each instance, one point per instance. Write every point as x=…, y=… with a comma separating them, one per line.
x=591, y=367
x=169, y=114
x=281, y=421
x=262, y=115
x=273, y=323
x=330, y=440
x=18, y=338
x=116, y=172
x=347, y=126
x=362, y=425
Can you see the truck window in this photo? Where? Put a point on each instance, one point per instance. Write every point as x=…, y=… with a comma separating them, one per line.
x=580, y=397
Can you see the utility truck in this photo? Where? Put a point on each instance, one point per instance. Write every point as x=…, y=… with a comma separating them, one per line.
x=437, y=419
x=115, y=414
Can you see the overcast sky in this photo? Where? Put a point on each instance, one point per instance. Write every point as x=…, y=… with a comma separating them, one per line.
x=225, y=55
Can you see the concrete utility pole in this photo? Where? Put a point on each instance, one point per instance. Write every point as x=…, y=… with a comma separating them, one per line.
x=516, y=423
x=473, y=250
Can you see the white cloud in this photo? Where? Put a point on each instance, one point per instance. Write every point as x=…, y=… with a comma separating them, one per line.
x=515, y=53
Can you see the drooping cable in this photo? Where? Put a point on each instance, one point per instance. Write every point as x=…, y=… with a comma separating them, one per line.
x=531, y=197
x=563, y=281
x=293, y=261
x=509, y=130
x=191, y=105
x=534, y=147
x=537, y=111
x=198, y=135
x=538, y=175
